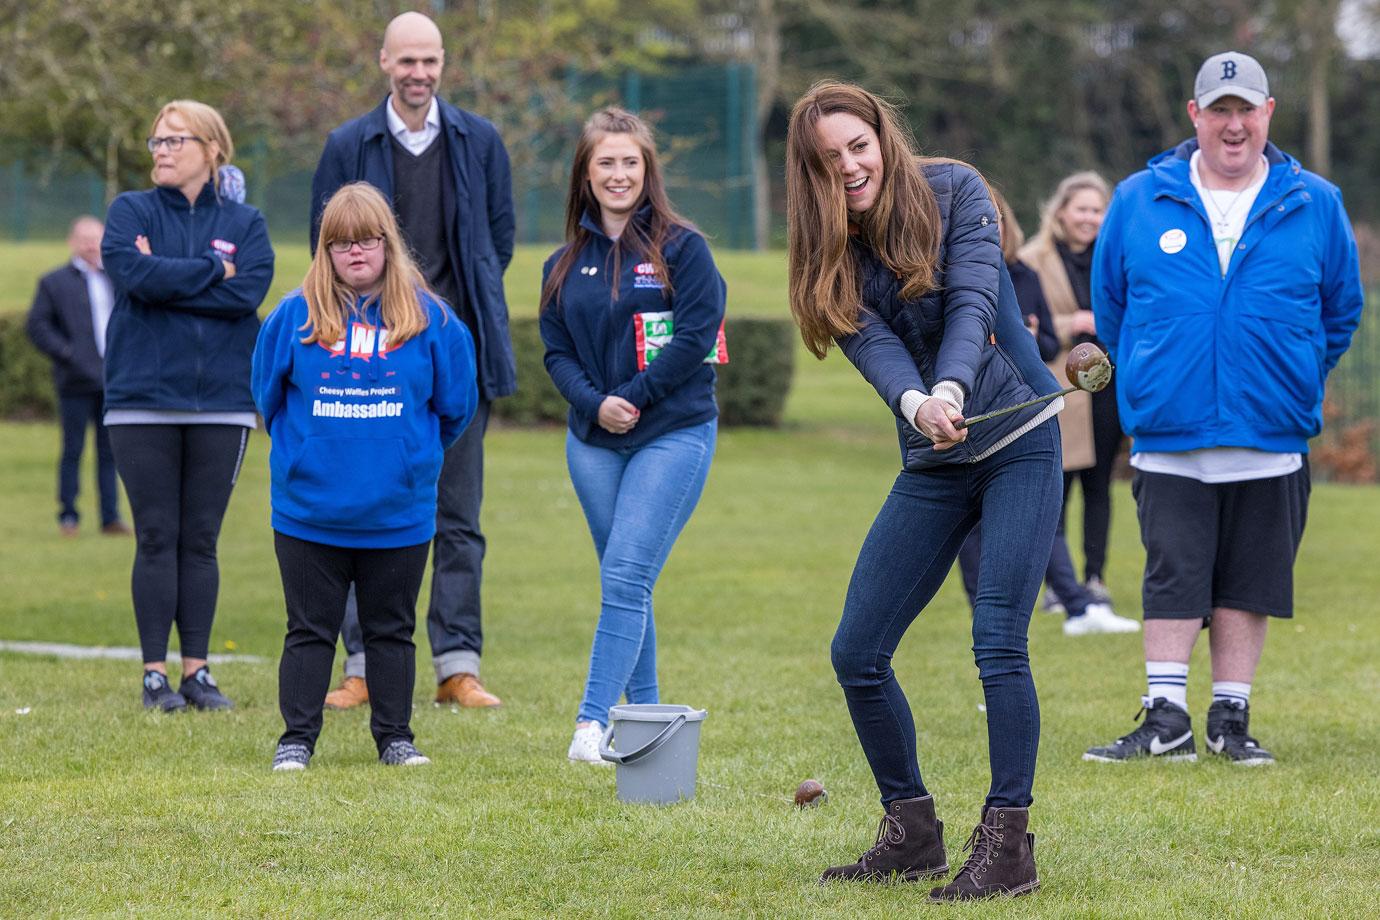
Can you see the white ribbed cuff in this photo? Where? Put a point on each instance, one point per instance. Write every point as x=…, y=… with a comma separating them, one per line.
x=912, y=400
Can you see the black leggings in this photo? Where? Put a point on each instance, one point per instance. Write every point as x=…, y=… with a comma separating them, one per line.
x=316, y=580
x=1097, y=483
x=178, y=478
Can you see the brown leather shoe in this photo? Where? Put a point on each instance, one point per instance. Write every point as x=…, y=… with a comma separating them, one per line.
x=352, y=692
x=117, y=529
x=466, y=690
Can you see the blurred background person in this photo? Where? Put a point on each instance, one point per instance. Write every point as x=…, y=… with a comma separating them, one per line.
x=189, y=268
x=1084, y=614
x=643, y=419
x=1061, y=255
x=364, y=378
x=67, y=322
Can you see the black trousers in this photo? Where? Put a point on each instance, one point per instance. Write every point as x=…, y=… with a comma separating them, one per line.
x=179, y=479
x=316, y=580
x=79, y=411
x=1097, y=482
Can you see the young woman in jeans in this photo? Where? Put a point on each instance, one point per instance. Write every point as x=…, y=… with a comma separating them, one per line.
x=898, y=261
x=189, y=267
x=643, y=419
x=364, y=379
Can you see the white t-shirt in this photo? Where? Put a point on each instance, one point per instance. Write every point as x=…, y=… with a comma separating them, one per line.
x=1227, y=211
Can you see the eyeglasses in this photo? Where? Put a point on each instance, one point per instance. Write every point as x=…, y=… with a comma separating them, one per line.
x=368, y=244
x=174, y=142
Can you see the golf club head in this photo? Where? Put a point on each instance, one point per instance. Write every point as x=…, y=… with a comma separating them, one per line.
x=1088, y=367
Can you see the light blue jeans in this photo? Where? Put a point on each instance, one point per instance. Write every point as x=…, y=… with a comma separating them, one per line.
x=636, y=501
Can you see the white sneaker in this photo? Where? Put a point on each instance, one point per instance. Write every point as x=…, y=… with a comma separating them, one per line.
x=584, y=746
x=1099, y=618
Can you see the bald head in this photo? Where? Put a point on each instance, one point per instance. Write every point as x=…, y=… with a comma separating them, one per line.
x=84, y=239
x=412, y=57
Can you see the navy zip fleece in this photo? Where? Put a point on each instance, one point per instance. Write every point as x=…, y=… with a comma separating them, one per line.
x=181, y=335
x=591, y=349
x=359, y=430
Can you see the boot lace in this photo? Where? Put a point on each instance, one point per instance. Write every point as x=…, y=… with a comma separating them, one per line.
x=890, y=833
x=980, y=847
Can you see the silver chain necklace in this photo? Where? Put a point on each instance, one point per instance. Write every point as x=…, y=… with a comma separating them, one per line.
x=1223, y=223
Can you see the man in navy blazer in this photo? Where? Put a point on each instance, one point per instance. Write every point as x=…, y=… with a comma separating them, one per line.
x=67, y=323
x=446, y=173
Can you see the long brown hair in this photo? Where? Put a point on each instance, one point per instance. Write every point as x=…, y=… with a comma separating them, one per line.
x=642, y=240
x=358, y=211
x=205, y=123
x=902, y=227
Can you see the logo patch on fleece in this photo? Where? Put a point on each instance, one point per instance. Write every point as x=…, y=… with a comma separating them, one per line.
x=225, y=248
x=644, y=276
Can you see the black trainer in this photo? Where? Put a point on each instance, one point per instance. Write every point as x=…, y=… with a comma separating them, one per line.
x=1166, y=733
x=290, y=757
x=201, y=691
x=159, y=694
x=1227, y=735
x=403, y=754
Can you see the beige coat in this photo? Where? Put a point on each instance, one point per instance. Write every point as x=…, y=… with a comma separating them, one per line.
x=1075, y=422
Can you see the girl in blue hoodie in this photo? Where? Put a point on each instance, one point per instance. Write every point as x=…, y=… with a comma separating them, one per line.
x=631, y=307
x=363, y=378
x=190, y=267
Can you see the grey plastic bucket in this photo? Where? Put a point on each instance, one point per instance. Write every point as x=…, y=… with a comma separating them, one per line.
x=658, y=751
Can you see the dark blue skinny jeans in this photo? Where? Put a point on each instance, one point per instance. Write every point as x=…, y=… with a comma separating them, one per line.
x=1016, y=493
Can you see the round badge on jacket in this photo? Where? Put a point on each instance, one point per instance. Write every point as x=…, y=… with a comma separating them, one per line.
x=1172, y=241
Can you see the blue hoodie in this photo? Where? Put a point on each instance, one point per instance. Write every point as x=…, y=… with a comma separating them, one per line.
x=591, y=344
x=1238, y=361
x=181, y=334
x=358, y=435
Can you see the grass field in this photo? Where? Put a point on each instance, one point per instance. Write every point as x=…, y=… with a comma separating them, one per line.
x=107, y=810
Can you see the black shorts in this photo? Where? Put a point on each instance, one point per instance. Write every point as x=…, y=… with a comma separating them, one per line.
x=1229, y=544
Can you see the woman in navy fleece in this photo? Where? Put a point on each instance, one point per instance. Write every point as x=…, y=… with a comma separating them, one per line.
x=364, y=379
x=899, y=262
x=190, y=267
x=631, y=306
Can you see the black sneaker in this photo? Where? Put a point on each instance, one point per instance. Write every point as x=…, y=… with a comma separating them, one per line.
x=159, y=694
x=403, y=754
x=291, y=757
x=1166, y=734
x=1226, y=735
x=201, y=691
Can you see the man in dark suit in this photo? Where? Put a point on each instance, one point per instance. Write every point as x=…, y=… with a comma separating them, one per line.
x=67, y=322
x=446, y=173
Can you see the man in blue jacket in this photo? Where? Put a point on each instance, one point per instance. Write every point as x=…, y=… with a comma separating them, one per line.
x=1226, y=286
x=446, y=172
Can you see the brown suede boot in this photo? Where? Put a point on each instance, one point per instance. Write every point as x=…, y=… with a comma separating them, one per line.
x=910, y=847
x=352, y=692
x=1002, y=861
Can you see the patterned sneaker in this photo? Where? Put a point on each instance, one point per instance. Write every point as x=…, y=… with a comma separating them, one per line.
x=1098, y=589
x=1099, y=618
x=1226, y=735
x=159, y=694
x=584, y=746
x=1050, y=602
x=291, y=757
x=403, y=754
x=201, y=691
x=1166, y=734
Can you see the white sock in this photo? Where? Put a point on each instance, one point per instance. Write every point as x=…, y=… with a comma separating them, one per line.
x=1169, y=680
x=1234, y=692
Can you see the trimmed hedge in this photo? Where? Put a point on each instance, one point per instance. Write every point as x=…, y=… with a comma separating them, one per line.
x=752, y=386
x=26, y=377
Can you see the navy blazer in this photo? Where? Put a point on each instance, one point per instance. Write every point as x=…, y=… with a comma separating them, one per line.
x=481, y=238
x=60, y=326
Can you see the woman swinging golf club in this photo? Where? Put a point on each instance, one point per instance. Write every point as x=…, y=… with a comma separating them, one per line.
x=873, y=232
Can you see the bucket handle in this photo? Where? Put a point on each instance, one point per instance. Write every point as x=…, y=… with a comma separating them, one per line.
x=631, y=757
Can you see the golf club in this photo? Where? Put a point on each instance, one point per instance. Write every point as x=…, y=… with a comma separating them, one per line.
x=1088, y=368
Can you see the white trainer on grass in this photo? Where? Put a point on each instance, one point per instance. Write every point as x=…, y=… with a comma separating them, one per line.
x=1099, y=618
x=584, y=746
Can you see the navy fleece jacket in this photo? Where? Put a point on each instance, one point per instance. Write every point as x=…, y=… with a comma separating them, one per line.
x=181, y=334
x=591, y=344
x=358, y=433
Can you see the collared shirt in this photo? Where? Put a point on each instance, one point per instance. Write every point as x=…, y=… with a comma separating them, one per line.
x=102, y=297
x=415, y=141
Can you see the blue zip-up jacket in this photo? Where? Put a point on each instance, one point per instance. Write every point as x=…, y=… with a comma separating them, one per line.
x=1237, y=361
x=359, y=431
x=181, y=335
x=591, y=349
x=480, y=238
x=967, y=329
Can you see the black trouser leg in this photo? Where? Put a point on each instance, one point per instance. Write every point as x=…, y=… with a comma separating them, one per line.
x=1097, y=482
x=315, y=580
x=387, y=582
